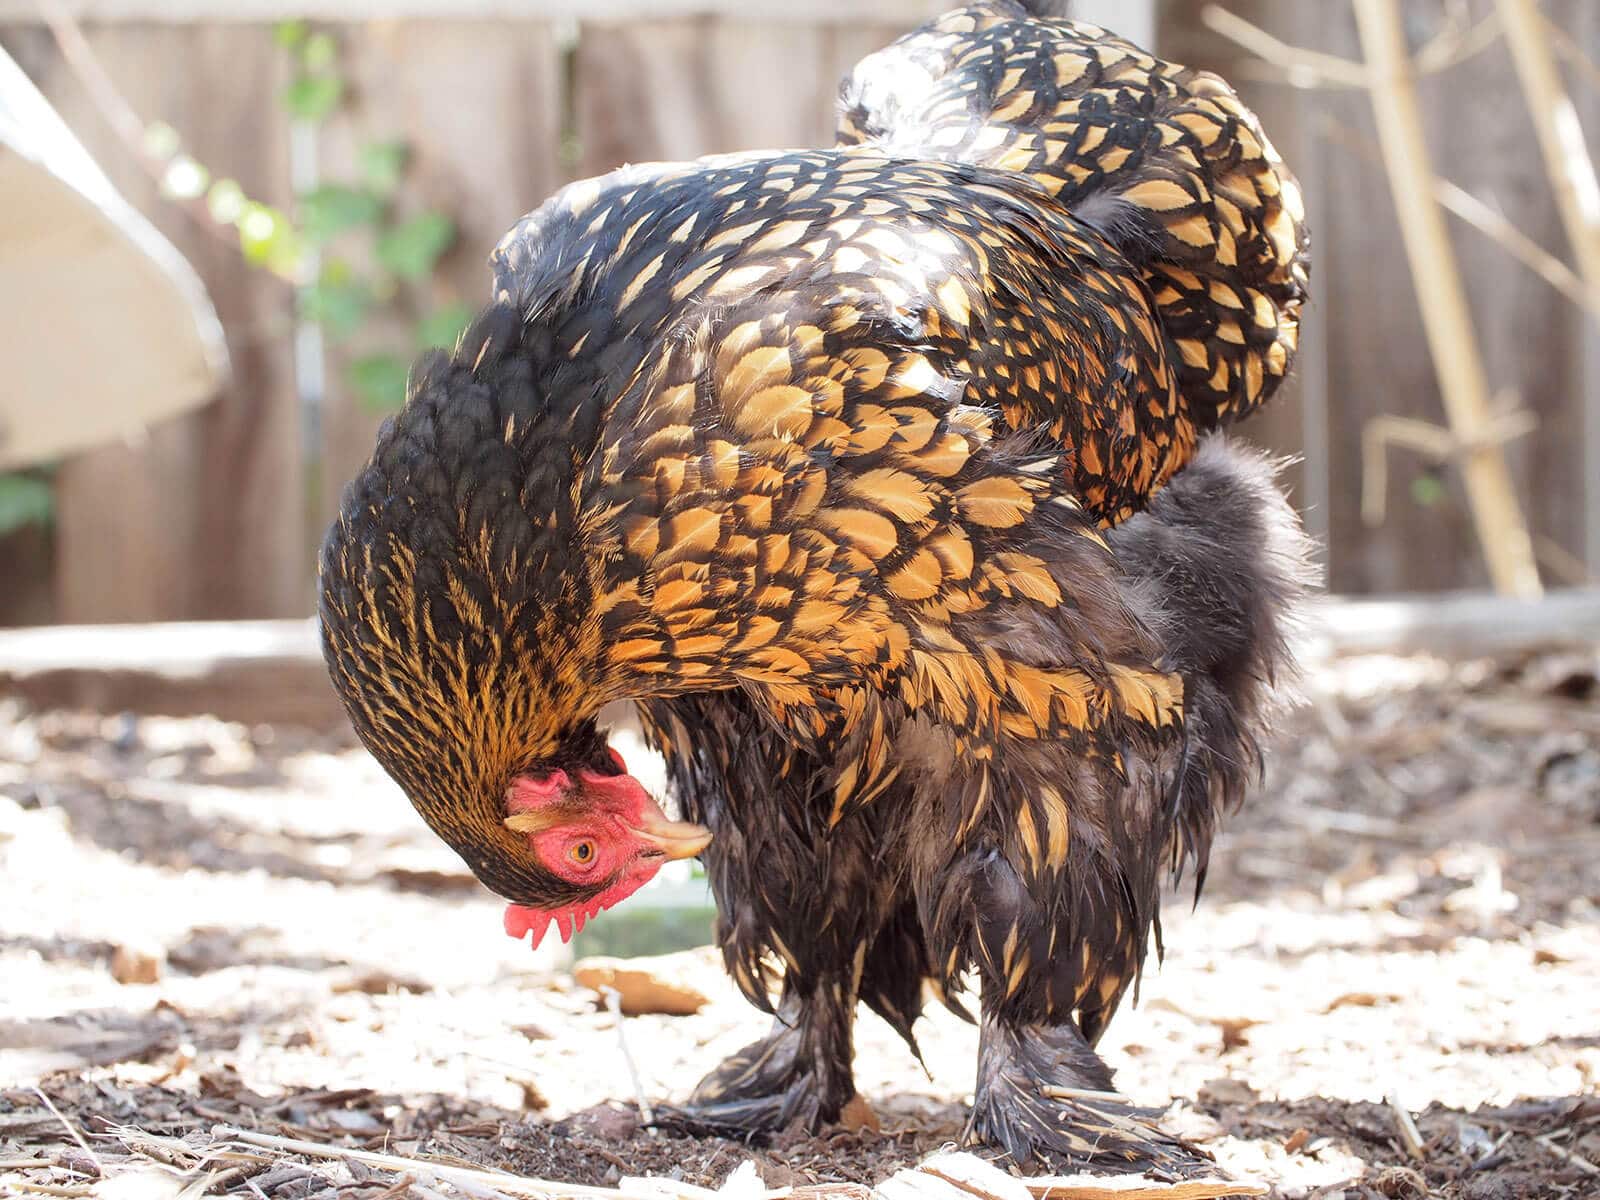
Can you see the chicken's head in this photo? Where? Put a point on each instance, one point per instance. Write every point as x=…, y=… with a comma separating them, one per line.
x=598, y=830
x=463, y=602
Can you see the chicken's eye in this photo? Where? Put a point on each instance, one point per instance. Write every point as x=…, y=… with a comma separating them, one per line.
x=582, y=853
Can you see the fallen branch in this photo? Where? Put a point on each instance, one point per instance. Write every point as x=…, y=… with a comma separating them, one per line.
x=467, y=1178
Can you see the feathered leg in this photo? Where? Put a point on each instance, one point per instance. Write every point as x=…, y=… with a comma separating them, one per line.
x=1044, y=1094
x=1213, y=569
x=794, y=887
x=798, y=1074
x=1045, y=959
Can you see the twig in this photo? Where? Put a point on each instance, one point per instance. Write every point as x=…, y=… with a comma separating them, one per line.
x=1561, y=140
x=613, y=999
x=71, y=1129
x=1561, y=562
x=1438, y=443
x=1571, y=52
x=1407, y=1126
x=1055, y=1092
x=199, y=1187
x=1456, y=45
x=1299, y=64
x=1492, y=1156
x=1547, y=1140
x=1303, y=68
x=464, y=1177
x=398, y=1188
x=50, y=1189
x=466, y=1188
x=1464, y=205
x=130, y=129
x=1517, y=244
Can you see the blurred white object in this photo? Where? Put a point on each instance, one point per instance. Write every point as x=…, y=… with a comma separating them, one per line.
x=1134, y=20
x=104, y=328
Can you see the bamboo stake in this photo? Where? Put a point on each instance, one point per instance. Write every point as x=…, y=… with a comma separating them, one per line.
x=1555, y=120
x=1502, y=530
x=1572, y=178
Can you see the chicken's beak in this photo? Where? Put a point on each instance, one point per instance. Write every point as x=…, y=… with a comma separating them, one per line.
x=675, y=839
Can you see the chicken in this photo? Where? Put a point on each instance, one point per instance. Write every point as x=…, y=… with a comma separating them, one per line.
x=884, y=480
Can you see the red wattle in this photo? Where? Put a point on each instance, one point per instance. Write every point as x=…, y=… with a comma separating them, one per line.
x=520, y=920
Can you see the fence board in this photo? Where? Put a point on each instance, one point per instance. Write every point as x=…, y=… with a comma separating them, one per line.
x=190, y=521
x=810, y=12
x=679, y=89
x=479, y=104
x=206, y=517
x=1293, y=425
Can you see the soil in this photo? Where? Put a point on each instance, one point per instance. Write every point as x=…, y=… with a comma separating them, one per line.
x=1406, y=916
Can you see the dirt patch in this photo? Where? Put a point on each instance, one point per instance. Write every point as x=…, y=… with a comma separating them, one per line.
x=1410, y=908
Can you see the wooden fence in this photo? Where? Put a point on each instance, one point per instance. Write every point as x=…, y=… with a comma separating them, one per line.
x=216, y=515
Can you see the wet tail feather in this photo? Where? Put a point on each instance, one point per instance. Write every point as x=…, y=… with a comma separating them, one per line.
x=1223, y=569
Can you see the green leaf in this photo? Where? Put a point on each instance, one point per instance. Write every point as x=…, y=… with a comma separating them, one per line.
x=412, y=248
x=313, y=97
x=320, y=52
x=268, y=239
x=24, y=500
x=380, y=379
x=289, y=34
x=382, y=164
x=443, y=326
x=337, y=270
x=337, y=301
x=1427, y=490
x=328, y=211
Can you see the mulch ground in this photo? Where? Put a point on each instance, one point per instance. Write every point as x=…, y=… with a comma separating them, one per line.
x=1406, y=917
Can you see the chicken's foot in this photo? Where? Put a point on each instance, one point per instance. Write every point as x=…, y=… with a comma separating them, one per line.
x=1043, y=1093
x=799, y=1074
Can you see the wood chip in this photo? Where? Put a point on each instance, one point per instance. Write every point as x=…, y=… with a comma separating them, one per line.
x=962, y=1176
x=134, y=964
x=645, y=985
x=858, y=1115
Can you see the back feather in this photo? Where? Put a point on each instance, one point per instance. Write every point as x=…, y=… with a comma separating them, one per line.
x=1163, y=161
